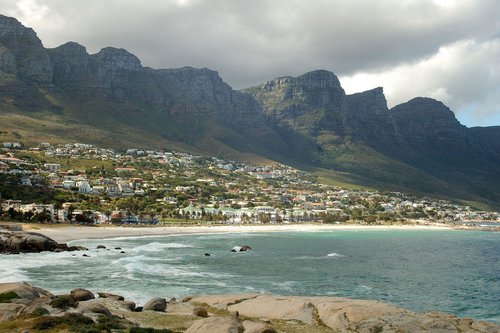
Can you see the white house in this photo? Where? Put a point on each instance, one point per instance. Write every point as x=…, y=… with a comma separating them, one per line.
x=84, y=187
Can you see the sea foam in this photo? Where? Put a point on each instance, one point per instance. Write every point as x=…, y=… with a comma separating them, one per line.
x=157, y=247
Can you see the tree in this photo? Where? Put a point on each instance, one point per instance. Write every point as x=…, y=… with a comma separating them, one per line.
x=57, y=207
x=42, y=217
x=265, y=218
x=278, y=218
x=28, y=215
x=356, y=213
x=107, y=212
x=14, y=214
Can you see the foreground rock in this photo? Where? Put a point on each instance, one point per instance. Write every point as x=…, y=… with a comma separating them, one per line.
x=341, y=314
x=156, y=304
x=15, y=297
x=216, y=325
x=81, y=294
x=24, y=307
x=25, y=242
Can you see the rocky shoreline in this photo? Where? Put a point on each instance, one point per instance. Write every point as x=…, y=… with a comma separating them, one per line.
x=15, y=242
x=24, y=308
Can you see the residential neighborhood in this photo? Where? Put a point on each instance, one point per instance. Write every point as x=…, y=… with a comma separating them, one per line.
x=82, y=183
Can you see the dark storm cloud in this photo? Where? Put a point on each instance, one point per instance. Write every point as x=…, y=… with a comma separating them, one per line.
x=249, y=42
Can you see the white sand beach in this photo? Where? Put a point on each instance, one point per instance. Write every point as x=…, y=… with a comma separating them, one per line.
x=69, y=233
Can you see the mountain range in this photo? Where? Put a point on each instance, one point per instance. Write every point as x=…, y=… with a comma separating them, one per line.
x=108, y=98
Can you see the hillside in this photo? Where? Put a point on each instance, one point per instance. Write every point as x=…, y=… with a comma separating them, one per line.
x=109, y=98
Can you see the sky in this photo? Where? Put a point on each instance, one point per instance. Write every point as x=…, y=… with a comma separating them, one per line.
x=445, y=49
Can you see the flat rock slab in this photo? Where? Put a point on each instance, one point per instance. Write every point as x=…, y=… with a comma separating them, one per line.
x=216, y=325
x=276, y=307
x=340, y=313
x=223, y=301
x=256, y=327
x=9, y=311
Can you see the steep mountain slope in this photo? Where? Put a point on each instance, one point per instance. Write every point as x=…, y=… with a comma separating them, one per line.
x=109, y=98
x=418, y=145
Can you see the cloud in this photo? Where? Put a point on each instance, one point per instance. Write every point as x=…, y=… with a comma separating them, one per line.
x=464, y=75
x=250, y=42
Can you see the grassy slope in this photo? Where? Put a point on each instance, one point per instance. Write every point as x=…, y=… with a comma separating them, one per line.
x=120, y=125
x=362, y=166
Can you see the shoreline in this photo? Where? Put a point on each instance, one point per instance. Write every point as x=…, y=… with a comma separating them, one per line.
x=29, y=307
x=64, y=234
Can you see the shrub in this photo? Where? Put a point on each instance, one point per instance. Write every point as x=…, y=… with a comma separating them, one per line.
x=47, y=323
x=63, y=302
x=148, y=330
x=76, y=322
x=39, y=312
x=8, y=296
x=108, y=324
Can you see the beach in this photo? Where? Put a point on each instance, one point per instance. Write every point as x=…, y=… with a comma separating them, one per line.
x=69, y=233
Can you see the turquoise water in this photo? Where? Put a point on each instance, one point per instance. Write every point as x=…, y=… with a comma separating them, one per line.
x=451, y=271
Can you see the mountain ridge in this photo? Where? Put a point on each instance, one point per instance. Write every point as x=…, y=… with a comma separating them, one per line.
x=307, y=121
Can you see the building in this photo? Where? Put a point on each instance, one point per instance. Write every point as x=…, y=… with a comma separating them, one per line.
x=53, y=167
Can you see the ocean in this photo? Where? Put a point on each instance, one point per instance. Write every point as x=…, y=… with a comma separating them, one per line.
x=422, y=270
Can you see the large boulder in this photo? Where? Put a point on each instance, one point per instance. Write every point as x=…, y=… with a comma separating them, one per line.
x=81, y=295
x=156, y=304
x=39, y=242
x=25, y=293
x=91, y=308
x=21, y=242
x=110, y=295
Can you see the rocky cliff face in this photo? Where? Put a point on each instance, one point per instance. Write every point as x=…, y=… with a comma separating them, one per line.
x=306, y=103
x=424, y=118
x=114, y=74
x=22, y=53
x=315, y=103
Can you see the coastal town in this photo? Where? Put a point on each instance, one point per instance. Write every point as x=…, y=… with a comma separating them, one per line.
x=82, y=183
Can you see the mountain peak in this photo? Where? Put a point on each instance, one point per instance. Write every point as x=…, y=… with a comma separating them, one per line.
x=425, y=108
x=23, y=52
x=72, y=46
x=117, y=58
x=320, y=79
x=11, y=26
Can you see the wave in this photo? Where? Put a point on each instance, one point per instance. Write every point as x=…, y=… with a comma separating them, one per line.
x=167, y=268
x=157, y=247
x=15, y=268
x=8, y=274
x=328, y=256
